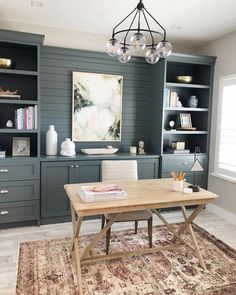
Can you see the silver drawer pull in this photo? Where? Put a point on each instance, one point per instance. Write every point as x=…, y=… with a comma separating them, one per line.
x=77, y=166
x=185, y=163
x=71, y=166
x=4, y=212
x=3, y=170
x=3, y=191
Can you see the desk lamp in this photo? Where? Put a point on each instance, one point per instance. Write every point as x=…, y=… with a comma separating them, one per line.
x=196, y=167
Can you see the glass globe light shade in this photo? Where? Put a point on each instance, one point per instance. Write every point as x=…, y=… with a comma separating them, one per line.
x=164, y=48
x=151, y=56
x=138, y=42
x=112, y=47
x=124, y=54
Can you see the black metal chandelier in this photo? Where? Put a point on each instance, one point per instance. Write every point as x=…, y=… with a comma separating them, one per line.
x=138, y=42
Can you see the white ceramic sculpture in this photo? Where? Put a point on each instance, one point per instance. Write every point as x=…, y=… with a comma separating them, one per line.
x=67, y=148
x=51, y=141
x=141, y=147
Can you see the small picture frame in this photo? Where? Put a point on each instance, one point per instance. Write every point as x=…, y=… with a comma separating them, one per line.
x=185, y=120
x=21, y=146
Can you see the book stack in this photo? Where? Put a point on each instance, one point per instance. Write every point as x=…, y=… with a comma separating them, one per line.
x=26, y=118
x=171, y=99
x=178, y=151
x=99, y=193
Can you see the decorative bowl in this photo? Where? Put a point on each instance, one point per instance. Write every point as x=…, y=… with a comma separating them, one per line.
x=6, y=63
x=184, y=79
x=99, y=151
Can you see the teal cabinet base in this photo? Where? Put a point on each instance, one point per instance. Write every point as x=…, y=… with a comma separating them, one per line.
x=55, y=205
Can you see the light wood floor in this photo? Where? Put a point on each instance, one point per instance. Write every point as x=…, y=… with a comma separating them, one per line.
x=10, y=239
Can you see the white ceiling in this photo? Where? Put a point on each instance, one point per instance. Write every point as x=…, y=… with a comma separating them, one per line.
x=188, y=23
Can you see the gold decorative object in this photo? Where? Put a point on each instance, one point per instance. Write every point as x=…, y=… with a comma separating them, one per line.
x=9, y=94
x=184, y=79
x=6, y=63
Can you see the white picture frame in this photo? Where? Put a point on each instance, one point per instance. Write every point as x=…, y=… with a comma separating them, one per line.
x=185, y=120
x=21, y=146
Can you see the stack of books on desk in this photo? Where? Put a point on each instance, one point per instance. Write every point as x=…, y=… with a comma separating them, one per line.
x=101, y=193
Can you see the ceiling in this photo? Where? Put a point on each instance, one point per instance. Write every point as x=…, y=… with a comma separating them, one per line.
x=188, y=23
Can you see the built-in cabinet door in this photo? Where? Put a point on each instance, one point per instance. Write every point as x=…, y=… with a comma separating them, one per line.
x=148, y=169
x=54, y=201
x=84, y=171
x=54, y=175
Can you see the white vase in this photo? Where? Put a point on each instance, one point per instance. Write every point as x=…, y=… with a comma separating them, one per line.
x=67, y=148
x=51, y=141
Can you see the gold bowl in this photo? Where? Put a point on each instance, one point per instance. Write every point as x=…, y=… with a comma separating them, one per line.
x=6, y=63
x=184, y=79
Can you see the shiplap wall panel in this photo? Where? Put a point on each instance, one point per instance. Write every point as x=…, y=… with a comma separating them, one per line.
x=56, y=68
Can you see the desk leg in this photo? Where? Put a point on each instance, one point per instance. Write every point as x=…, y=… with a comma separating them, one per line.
x=75, y=247
x=189, y=220
x=194, y=240
x=172, y=229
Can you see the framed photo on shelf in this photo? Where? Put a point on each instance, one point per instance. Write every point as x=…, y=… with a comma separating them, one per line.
x=185, y=120
x=21, y=146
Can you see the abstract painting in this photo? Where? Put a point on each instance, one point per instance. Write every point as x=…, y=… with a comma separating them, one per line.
x=96, y=107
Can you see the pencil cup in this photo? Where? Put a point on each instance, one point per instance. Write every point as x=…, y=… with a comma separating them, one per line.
x=178, y=185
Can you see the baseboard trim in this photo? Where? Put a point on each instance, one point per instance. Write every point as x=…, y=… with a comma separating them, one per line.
x=230, y=217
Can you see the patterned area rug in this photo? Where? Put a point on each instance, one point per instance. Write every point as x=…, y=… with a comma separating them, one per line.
x=45, y=267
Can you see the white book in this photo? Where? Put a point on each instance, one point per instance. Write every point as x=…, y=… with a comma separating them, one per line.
x=31, y=117
x=35, y=117
x=20, y=118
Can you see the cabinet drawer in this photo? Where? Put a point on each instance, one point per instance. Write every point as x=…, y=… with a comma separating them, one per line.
x=19, y=191
x=19, y=211
x=19, y=170
x=181, y=163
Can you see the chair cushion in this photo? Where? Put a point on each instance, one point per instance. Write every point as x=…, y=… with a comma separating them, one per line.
x=131, y=216
x=119, y=170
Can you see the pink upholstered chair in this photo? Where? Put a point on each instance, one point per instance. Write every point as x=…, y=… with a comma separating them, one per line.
x=124, y=170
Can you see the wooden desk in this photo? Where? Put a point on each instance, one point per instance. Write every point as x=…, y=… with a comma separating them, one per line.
x=148, y=194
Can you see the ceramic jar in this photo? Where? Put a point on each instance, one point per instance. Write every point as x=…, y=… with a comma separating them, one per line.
x=51, y=141
x=193, y=101
x=67, y=148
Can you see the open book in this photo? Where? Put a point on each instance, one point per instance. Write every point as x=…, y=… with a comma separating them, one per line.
x=101, y=193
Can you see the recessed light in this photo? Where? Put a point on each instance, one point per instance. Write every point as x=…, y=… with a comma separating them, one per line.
x=37, y=3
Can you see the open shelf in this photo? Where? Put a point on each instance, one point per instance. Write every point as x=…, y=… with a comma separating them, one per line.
x=182, y=154
x=22, y=77
x=185, y=85
x=185, y=109
x=18, y=72
x=6, y=140
x=185, y=132
x=201, y=73
x=13, y=130
x=18, y=101
x=24, y=56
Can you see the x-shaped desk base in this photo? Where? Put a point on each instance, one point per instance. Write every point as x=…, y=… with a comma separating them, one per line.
x=81, y=258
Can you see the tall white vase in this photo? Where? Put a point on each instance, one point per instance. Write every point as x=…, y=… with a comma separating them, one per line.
x=51, y=141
